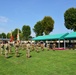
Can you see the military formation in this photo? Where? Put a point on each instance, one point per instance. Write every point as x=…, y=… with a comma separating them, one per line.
x=6, y=48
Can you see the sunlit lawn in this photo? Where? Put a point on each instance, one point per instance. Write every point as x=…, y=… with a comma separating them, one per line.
x=59, y=62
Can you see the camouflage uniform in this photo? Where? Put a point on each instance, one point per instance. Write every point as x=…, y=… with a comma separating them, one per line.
x=54, y=45
x=42, y=46
x=48, y=46
x=28, y=50
x=32, y=46
x=16, y=49
x=9, y=48
x=6, y=49
x=37, y=47
x=2, y=48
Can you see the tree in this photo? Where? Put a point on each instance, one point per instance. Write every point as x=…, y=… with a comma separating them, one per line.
x=21, y=36
x=48, y=24
x=70, y=19
x=44, y=26
x=0, y=35
x=38, y=28
x=14, y=33
x=3, y=35
x=8, y=35
x=26, y=32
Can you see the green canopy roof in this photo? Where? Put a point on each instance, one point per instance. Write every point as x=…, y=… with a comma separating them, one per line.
x=71, y=35
x=38, y=38
x=51, y=37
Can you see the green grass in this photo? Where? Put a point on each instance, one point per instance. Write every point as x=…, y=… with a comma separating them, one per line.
x=59, y=62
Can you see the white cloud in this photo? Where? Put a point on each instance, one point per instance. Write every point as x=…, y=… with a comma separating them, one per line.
x=3, y=19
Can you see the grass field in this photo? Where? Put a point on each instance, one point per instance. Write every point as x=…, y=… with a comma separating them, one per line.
x=59, y=62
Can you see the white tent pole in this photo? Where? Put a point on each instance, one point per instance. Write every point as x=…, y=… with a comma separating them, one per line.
x=64, y=44
x=59, y=44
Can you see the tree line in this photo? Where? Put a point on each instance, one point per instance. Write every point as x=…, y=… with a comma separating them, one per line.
x=45, y=26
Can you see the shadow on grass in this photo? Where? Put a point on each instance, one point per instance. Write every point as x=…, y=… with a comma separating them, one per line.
x=9, y=56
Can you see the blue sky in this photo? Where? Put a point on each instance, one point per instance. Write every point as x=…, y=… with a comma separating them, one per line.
x=16, y=13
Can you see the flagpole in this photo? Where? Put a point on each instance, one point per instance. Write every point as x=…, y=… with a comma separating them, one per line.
x=18, y=36
x=11, y=37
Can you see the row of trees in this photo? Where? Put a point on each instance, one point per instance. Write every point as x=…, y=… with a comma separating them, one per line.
x=24, y=33
x=45, y=26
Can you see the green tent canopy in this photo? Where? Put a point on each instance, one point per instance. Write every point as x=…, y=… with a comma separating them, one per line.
x=51, y=37
x=38, y=38
x=71, y=35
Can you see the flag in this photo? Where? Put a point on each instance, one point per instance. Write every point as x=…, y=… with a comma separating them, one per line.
x=18, y=39
x=11, y=37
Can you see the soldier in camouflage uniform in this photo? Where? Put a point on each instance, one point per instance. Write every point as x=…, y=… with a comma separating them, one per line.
x=17, y=49
x=9, y=48
x=42, y=46
x=54, y=46
x=48, y=46
x=28, y=50
x=6, y=49
x=33, y=46
x=2, y=47
x=37, y=47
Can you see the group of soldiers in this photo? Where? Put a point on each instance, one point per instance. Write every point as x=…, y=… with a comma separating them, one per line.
x=6, y=48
